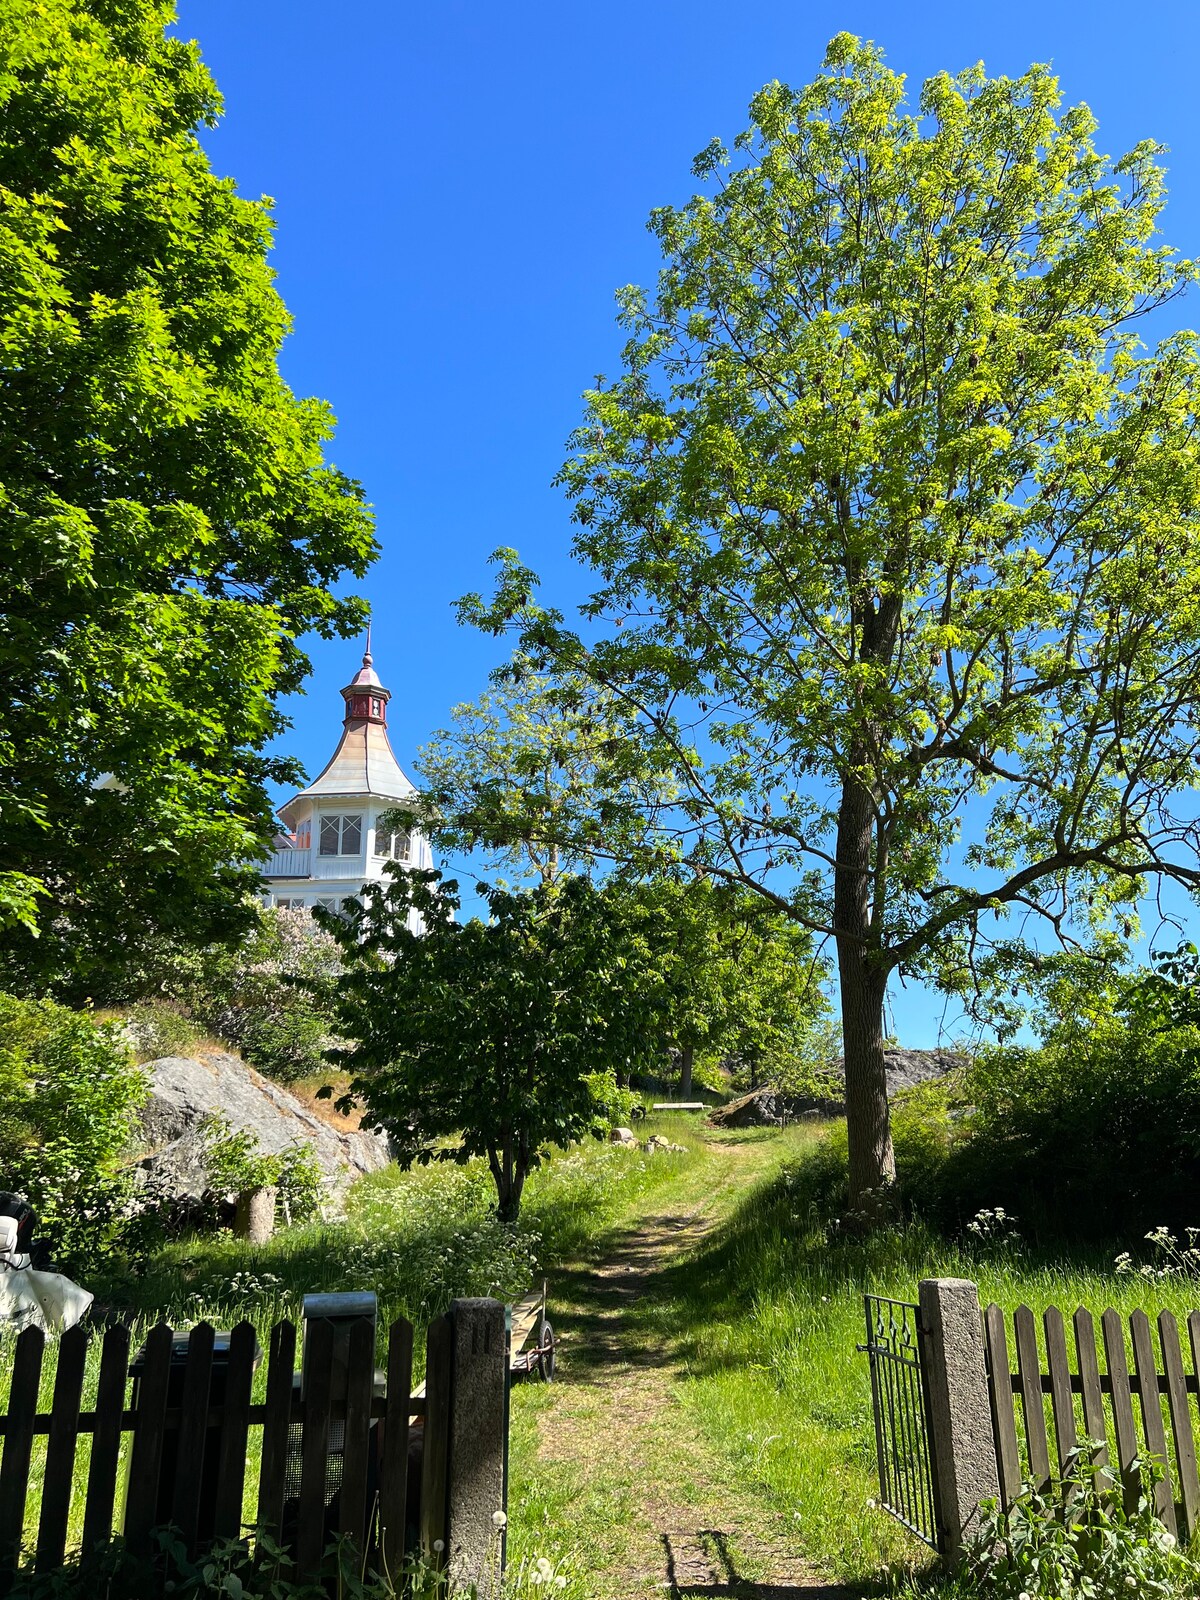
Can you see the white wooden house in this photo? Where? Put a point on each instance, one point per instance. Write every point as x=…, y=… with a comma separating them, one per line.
x=333, y=839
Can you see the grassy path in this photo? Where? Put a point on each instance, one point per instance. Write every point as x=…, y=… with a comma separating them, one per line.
x=633, y=1501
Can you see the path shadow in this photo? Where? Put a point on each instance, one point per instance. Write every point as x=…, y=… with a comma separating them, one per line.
x=608, y=1298
x=730, y=1582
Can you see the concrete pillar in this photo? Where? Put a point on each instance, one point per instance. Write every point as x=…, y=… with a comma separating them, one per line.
x=254, y=1219
x=960, y=1414
x=475, y=1468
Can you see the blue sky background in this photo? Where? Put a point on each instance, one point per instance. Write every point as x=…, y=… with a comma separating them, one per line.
x=459, y=189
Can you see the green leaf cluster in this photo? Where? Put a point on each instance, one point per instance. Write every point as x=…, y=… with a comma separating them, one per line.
x=70, y=1094
x=171, y=525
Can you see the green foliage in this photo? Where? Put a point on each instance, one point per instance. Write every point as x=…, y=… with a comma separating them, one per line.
x=236, y=1164
x=269, y=996
x=1093, y=1135
x=272, y=996
x=721, y=971
x=1074, y=1541
x=69, y=1098
x=892, y=521
x=170, y=526
x=482, y=1038
x=157, y=1028
x=229, y=1570
x=536, y=772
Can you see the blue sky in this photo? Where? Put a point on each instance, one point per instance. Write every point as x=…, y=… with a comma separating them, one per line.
x=459, y=189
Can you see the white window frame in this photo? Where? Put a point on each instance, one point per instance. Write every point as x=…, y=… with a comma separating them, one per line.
x=340, y=823
x=385, y=844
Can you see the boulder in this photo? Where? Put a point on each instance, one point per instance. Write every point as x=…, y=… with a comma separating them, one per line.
x=187, y=1090
x=768, y=1106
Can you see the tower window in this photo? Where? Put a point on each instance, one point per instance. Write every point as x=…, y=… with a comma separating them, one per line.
x=395, y=846
x=341, y=836
x=376, y=706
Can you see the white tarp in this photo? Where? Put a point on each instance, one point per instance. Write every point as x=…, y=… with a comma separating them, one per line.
x=46, y=1300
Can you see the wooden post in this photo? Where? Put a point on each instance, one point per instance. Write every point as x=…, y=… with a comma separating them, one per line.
x=960, y=1408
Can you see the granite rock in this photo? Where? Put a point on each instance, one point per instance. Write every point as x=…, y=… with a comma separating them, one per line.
x=185, y=1091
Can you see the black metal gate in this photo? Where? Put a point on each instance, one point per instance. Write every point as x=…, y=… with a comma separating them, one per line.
x=900, y=1401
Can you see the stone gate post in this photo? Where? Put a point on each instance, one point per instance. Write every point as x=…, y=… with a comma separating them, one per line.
x=960, y=1415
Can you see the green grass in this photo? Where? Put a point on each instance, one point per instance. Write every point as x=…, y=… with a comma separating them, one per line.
x=766, y=1313
x=770, y=1311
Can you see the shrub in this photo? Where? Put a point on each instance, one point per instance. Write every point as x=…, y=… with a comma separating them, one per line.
x=69, y=1098
x=157, y=1028
x=1095, y=1134
x=236, y=1164
x=1039, y=1551
x=270, y=997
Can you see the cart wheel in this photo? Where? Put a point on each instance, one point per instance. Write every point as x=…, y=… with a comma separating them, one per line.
x=545, y=1360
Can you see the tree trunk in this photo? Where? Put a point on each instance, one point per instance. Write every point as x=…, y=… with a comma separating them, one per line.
x=863, y=980
x=686, y=1057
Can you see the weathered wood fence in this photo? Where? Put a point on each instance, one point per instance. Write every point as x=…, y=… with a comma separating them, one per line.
x=1077, y=1403
x=993, y=1397
x=333, y=1455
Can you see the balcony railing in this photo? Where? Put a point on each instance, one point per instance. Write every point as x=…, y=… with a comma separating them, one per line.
x=289, y=864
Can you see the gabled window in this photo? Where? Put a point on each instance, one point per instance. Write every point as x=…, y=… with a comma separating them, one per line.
x=341, y=836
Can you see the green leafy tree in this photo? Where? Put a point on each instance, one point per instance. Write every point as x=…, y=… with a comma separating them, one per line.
x=488, y=1038
x=538, y=773
x=898, y=518
x=170, y=525
x=723, y=974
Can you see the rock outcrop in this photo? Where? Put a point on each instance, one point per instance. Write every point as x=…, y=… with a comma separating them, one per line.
x=769, y=1106
x=186, y=1091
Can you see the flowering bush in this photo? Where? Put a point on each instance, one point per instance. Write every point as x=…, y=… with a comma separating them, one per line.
x=1039, y=1550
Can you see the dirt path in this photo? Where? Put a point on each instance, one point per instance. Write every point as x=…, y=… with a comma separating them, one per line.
x=660, y=1512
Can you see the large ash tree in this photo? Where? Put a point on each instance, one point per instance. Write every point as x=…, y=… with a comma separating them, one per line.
x=894, y=519
x=169, y=523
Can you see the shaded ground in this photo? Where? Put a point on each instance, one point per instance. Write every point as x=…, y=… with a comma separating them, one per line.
x=656, y=1510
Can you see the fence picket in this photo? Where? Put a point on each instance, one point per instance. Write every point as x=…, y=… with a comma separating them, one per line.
x=1030, y=1373
x=235, y=1429
x=55, y=1511
x=1062, y=1405
x=192, y=1436
x=1122, y=1404
x=18, y=1447
x=393, y=1478
x=106, y=1438
x=1094, y=1421
x=437, y=1437
x=141, y=1502
x=360, y=1383
x=1000, y=1392
x=318, y=1396
x=1181, y=1422
x=272, y=1478
x=1152, y=1417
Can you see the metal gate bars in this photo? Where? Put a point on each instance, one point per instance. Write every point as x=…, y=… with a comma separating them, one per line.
x=900, y=1401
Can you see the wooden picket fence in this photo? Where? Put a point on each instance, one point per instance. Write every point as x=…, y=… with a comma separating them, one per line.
x=335, y=1419
x=1077, y=1402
